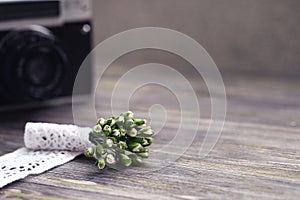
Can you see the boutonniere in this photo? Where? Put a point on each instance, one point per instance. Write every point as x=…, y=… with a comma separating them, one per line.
x=119, y=142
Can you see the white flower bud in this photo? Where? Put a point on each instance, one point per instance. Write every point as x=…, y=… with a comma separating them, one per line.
x=110, y=159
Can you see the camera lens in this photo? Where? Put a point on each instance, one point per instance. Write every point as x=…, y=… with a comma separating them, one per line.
x=41, y=70
x=34, y=64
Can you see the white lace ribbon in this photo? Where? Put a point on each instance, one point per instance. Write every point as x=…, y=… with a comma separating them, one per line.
x=46, y=146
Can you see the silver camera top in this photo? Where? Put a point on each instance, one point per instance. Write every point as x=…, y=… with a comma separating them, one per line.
x=18, y=13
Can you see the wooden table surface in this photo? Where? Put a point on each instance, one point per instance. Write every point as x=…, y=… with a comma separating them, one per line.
x=257, y=155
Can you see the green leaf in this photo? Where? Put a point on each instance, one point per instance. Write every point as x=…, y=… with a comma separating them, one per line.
x=99, y=150
x=125, y=160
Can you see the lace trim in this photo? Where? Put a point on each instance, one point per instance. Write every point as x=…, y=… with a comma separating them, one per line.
x=47, y=146
x=49, y=136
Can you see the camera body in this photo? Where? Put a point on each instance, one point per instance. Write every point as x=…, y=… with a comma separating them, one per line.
x=42, y=45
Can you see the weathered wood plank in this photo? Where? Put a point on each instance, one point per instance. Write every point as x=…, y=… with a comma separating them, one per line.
x=257, y=154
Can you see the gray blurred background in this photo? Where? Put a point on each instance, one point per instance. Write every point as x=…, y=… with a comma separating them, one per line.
x=244, y=37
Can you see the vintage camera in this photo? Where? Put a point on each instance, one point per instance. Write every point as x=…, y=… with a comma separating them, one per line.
x=42, y=45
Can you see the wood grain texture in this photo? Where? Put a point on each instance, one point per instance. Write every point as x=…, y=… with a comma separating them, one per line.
x=256, y=156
